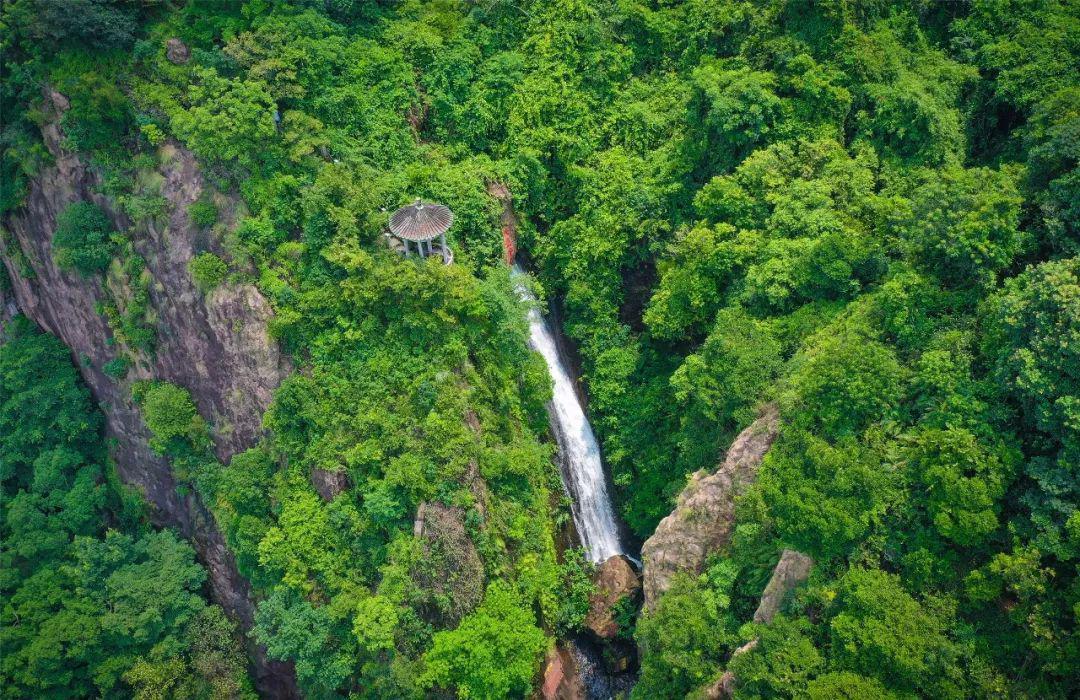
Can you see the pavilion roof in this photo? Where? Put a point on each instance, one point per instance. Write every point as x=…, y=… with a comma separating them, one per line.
x=421, y=221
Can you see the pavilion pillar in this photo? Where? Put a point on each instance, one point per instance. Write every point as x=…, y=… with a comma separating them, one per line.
x=406, y=242
x=442, y=242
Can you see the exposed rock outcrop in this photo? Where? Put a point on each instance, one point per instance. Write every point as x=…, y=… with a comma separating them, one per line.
x=791, y=571
x=704, y=515
x=615, y=580
x=329, y=484
x=215, y=347
x=177, y=51
x=507, y=219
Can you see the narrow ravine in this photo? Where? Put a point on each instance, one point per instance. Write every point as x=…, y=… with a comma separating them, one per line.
x=582, y=470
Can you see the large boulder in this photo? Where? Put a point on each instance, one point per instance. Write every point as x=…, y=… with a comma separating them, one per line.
x=792, y=570
x=615, y=580
x=704, y=515
x=329, y=484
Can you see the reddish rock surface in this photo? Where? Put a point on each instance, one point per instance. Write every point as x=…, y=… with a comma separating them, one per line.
x=561, y=678
x=507, y=220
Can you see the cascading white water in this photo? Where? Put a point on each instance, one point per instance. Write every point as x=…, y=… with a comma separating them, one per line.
x=583, y=473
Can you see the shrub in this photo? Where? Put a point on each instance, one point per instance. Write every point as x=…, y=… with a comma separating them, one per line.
x=203, y=213
x=116, y=367
x=171, y=416
x=82, y=240
x=208, y=271
x=493, y=653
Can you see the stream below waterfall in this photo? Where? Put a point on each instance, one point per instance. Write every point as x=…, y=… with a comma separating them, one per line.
x=579, y=453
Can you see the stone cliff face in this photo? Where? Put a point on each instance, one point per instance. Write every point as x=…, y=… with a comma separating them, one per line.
x=704, y=515
x=216, y=347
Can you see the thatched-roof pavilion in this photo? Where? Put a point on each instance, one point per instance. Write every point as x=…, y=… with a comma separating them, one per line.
x=420, y=223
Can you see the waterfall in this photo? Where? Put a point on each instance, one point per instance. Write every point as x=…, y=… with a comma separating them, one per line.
x=582, y=471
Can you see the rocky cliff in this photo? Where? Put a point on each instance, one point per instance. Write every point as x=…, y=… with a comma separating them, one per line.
x=705, y=512
x=215, y=346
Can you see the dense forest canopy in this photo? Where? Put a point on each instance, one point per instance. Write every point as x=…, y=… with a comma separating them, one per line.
x=865, y=212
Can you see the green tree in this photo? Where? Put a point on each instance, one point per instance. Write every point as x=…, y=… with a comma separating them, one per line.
x=692, y=279
x=90, y=612
x=823, y=498
x=1032, y=342
x=842, y=382
x=880, y=631
x=310, y=636
x=493, y=653
x=781, y=664
x=963, y=483
x=225, y=120
x=964, y=224
x=719, y=387
x=685, y=639
x=172, y=417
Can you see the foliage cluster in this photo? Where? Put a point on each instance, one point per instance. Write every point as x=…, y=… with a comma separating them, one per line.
x=82, y=239
x=208, y=270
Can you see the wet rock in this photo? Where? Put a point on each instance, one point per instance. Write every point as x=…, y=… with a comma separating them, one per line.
x=593, y=665
x=561, y=679
x=177, y=51
x=619, y=657
x=615, y=580
x=329, y=484
x=704, y=515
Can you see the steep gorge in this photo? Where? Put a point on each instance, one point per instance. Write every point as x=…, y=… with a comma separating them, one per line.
x=217, y=347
